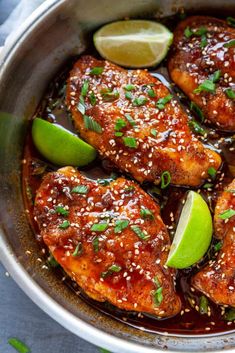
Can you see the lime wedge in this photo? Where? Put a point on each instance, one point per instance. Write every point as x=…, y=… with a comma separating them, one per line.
x=133, y=43
x=193, y=233
x=61, y=146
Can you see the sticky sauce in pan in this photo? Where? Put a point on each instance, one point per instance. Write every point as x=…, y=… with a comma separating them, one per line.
x=189, y=321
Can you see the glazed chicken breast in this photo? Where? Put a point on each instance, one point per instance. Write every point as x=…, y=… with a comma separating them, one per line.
x=131, y=118
x=110, y=238
x=202, y=64
x=217, y=279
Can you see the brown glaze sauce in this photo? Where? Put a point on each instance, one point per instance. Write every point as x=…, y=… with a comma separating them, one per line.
x=189, y=321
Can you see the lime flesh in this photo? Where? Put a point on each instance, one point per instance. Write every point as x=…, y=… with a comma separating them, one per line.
x=193, y=234
x=61, y=146
x=133, y=43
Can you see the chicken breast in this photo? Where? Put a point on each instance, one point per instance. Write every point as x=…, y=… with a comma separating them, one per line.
x=132, y=119
x=217, y=279
x=110, y=239
x=203, y=49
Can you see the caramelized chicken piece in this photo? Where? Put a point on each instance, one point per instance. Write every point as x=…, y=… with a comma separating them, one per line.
x=203, y=49
x=132, y=119
x=110, y=239
x=217, y=280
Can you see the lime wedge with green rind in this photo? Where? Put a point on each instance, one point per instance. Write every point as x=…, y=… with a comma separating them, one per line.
x=133, y=43
x=193, y=234
x=60, y=146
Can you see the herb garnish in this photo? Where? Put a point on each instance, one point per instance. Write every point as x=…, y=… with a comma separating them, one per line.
x=157, y=294
x=139, y=101
x=163, y=101
x=151, y=93
x=140, y=233
x=165, y=179
x=196, y=127
x=64, y=224
x=18, y=345
x=78, y=250
x=120, y=225
x=111, y=269
x=130, y=119
x=212, y=172
x=153, y=132
x=146, y=213
x=230, y=93
x=216, y=76
x=84, y=89
x=197, y=110
x=61, y=210
x=99, y=227
x=96, y=70
x=230, y=315
x=81, y=105
x=109, y=95
x=52, y=261
x=203, y=305
x=80, y=189
x=103, y=350
x=120, y=124
x=129, y=87
x=227, y=214
x=207, y=86
x=230, y=44
x=118, y=134
x=91, y=124
x=207, y=186
x=130, y=142
x=188, y=32
x=95, y=243
x=230, y=21
x=92, y=98
x=128, y=95
x=218, y=246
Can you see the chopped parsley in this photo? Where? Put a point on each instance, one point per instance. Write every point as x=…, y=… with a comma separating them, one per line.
x=207, y=86
x=120, y=225
x=91, y=124
x=84, y=89
x=139, y=101
x=18, y=345
x=96, y=70
x=146, y=213
x=212, y=172
x=81, y=105
x=99, y=227
x=194, y=107
x=230, y=44
x=80, y=189
x=230, y=93
x=78, y=250
x=196, y=127
x=64, y=225
x=95, y=243
x=120, y=124
x=130, y=119
x=230, y=21
x=140, y=233
x=165, y=179
x=153, y=132
x=111, y=269
x=129, y=87
x=130, y=142
x=163, y=101
x=227, y=214
x=92, y=98
x=61, y=210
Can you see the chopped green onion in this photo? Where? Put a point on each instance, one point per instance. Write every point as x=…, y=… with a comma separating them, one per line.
x=92, y=98
x=80, y=189
x=207, y=86
x=103, y=350
x=18, y=345
x=227, y=214
x=111, y=269
x=188, y=32
x=231, y=190
x=230, y=93
x=230, y=21
x=130, y=119
x=140, y=233
x=120, y=225
x=128, y=95
x=78, y=250
x=107, y=181
x=207, y=186
x=81, y=105
x=151, y=93
x=84, y=89
x=153, y=132
x=109, y=95
x=230, y=315
x=203, y=305
x=96, y=70
x=157, y=296
x=129, y=87
x=196, y=127
x=200, y=32
x=130, y=142
x=91, y=124
x=212, y=172
x=165, y=179
x=99, y=227
x=139, y=101
x=230, y=44
x=204, y=42
x=52, y=261
x=197, y=110
x=62, y=211
x=95, y=243
x=218, y=246
x=216, y=76
x=162, y=101
x=64, y=225
x=146, y=213
x=118, y=134
x=129, y=188
x=120, y=124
